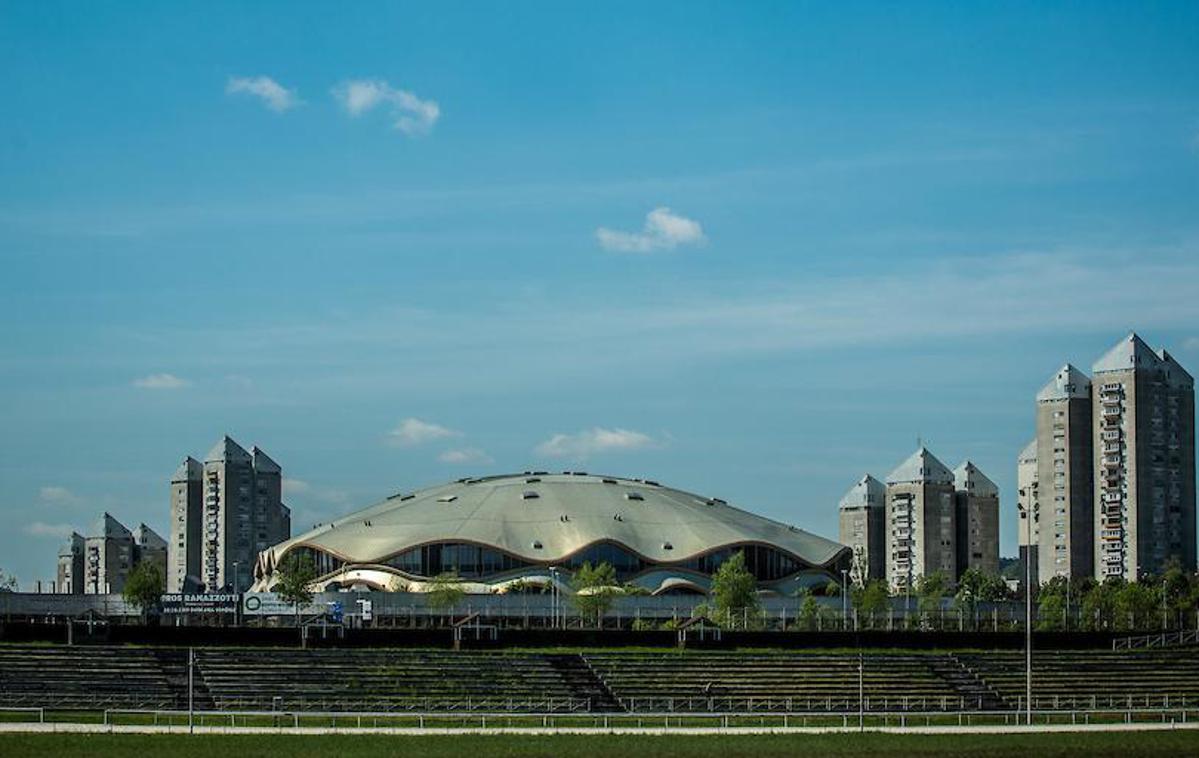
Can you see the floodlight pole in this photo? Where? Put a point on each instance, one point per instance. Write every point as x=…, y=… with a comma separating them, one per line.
x=1028, y=619
x=191, y=665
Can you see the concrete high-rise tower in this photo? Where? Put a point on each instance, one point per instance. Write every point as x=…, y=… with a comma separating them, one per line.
x=224, y=512
x=1064, y=476
x=977, y=520
x=1144, y=459
x=920, y=520
x=1029, y=508
x=863, y=516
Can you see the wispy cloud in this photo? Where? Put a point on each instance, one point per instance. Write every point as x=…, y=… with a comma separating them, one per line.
x=55, y=495
x=664, y=230
x=161, y=382
x=1191, y=344
x=593, y=442
x=412, y=431
x=42, y=529
x=272, y=94
x=409, y=113
x=466, y=455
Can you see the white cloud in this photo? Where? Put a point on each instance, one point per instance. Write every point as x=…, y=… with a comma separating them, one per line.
x=1191, y=344
x=42, y=529
x=273, y=95
x=410, y=114
x=466, y=455
x=664, y=230
x=413, y=431
x=55, y=495
x=594, y=441
x=161, y=382
x=296, y=487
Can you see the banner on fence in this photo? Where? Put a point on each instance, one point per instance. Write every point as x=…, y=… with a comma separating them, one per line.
x=209, y=602
x=270, y=604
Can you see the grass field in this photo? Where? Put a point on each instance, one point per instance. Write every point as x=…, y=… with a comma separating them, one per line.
x=1126, y=745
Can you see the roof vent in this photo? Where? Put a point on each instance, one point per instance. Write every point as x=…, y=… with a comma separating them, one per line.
x=633, y=496
x=609, y=481
x=536, y=544
x=716, y=501
x=540, y=473
x=618, y=517
x=393, y=497
x=407, y=497
x=652, y=483
x=366, y=522
x=447, y=498
x=564, y=518
x=530, y=495
x=532, y=480
x=667, y=546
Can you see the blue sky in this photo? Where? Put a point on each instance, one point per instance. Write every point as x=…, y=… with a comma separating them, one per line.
x=752, y=250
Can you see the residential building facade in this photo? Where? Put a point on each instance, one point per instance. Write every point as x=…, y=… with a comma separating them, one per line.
x=863, y=528
x=1028, y=510
x=1144, y=459
x=1064, y=476
x=976, y=502
x=224, y=512
x=920, y=521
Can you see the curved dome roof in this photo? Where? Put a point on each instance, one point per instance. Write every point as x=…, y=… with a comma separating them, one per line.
x=543, y=518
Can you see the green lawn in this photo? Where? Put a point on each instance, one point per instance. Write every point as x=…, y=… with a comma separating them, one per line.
x=1125, y=745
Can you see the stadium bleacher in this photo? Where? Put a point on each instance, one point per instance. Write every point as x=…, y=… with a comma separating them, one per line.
x=418, y=680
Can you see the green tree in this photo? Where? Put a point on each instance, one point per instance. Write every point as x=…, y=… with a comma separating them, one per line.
x=445, y=591
x=809, y=611
x=1137, y=604
x=144, y=587
x=931, y=589
x=1097, y=604
x=869, y=599
x=8, y=582
x=734, y=589
x=1179, y=589
x=595, y=589
x=296, y=573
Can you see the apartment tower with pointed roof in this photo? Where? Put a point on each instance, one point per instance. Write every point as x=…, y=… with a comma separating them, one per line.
x=976, y=502
x=1144, y=460
x=224, y=512
x=863, y=528
x=920, y=521
x=1064, y=475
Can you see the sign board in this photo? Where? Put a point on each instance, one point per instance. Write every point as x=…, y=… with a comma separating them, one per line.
x=368, y=609
x=209, y=602
x=270, y=604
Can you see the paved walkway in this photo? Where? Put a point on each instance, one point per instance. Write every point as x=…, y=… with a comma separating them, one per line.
x=61, y=728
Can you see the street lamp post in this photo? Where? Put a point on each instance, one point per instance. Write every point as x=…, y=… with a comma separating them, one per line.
x=844, y=599
x=554, y=596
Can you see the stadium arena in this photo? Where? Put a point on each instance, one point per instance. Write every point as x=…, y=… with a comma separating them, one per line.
x=516, y=532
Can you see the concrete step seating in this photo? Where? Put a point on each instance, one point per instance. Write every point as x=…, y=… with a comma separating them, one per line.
x=1075, y=677
x=389, y=680
x=92, y=677
x=728, y=681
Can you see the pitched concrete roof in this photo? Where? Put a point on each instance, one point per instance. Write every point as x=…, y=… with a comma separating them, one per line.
x=968, y=478
x=147, y=537
x=189, y=471
x=921, y=466
x=1175, y=373
x=567, y=513
x=1129, y=353
x=263, y=463
x=1069, y=382
x=227, y=450
x=109, y=527
x=857, y=496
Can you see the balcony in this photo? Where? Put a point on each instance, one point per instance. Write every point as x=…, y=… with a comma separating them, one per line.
x=1110, y=411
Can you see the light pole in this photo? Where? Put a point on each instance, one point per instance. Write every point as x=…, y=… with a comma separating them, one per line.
x=554, y=596
x=1024, y=514
x=844, y=599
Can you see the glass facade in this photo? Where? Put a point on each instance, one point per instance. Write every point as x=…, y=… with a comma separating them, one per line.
x=471, y=561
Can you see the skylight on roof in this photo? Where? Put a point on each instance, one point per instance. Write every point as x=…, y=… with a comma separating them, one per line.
x=447, y=498
x=633, y=496
x=530, y=495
